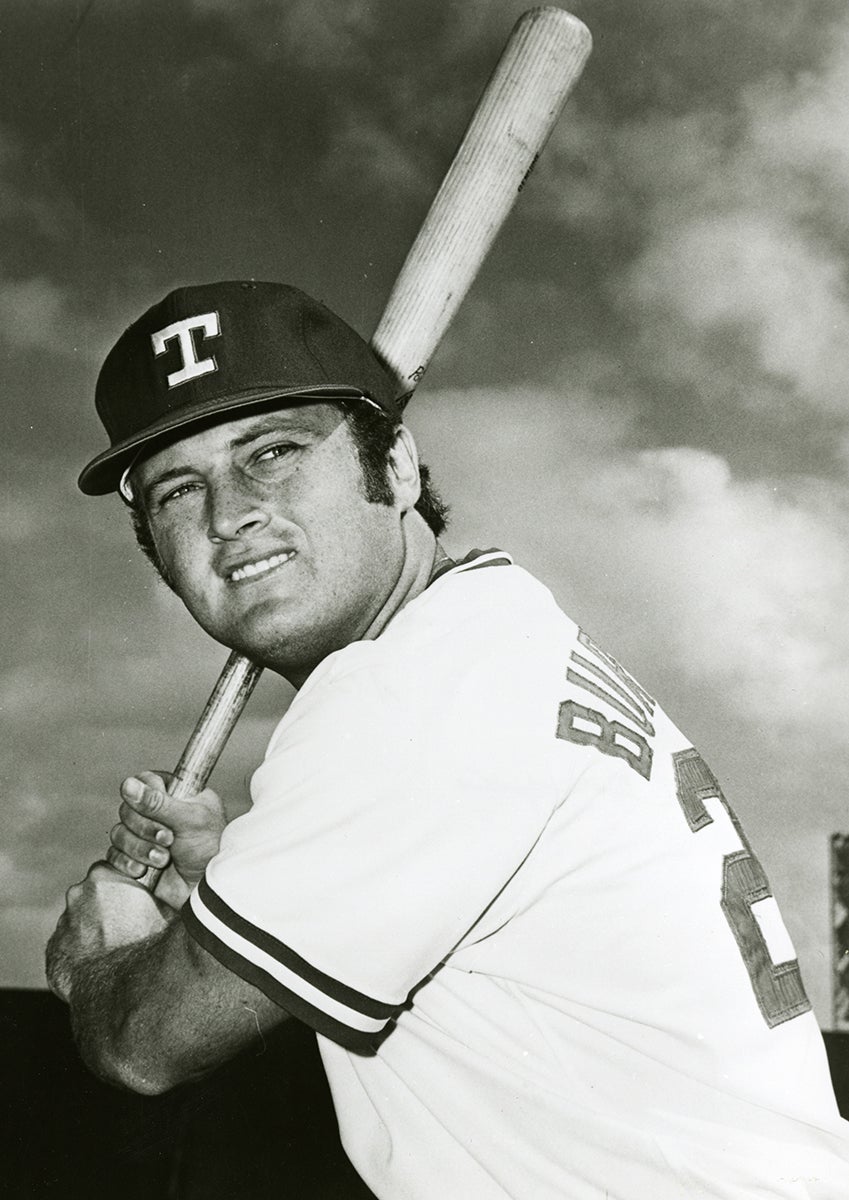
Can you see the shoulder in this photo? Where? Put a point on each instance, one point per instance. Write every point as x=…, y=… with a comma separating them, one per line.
x=481, y=637
x=485, y=599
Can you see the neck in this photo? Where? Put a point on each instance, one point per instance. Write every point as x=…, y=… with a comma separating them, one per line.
x=421, y=553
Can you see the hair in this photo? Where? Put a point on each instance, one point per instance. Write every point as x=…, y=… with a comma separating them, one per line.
x=373, y=435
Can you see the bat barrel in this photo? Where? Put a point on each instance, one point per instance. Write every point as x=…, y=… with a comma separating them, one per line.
x=520, y=104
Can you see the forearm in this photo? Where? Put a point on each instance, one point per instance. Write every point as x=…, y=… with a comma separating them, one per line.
x=114, y=1015
x=163, y=1012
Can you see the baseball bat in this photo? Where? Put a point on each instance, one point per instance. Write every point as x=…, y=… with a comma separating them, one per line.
x=519, y=106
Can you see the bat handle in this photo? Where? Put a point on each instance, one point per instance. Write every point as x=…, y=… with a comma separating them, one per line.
x=223, y=709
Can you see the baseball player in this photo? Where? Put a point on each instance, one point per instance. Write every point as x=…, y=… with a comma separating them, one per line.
x=508, y=894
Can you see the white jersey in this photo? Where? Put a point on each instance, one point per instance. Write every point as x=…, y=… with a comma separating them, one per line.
x=513, y=902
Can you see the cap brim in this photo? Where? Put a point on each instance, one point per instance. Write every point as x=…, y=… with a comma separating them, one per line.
x=103, y=474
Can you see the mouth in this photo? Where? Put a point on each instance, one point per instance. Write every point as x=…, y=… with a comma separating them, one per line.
x=262, y=566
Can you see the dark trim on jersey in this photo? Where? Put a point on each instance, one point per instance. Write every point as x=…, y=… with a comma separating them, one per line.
x=294, y=1004
x=270, y=945
x=473, y=561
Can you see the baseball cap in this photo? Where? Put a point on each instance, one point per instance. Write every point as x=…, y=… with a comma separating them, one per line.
x=212, y=349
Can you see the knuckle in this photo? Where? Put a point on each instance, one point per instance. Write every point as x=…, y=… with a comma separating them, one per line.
x=152, y=779
x=153, y=800
x=134, y=848
x=132, y=822
x=126, y=865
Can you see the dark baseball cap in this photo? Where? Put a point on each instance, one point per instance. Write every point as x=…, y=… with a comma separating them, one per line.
x=210, y=349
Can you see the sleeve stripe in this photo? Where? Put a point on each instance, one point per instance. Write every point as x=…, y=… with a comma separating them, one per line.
x=257, y=947
x=356, y=1035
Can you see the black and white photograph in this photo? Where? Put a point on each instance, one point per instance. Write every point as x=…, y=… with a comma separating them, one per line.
x=425, y=662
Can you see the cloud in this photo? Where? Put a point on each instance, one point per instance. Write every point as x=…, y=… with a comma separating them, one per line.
x=39, y=311
x=798, y=125
x=25, y=207
x=312, y=33
x=24, y=930
x=761, y=282
x=19, y=517
x=32, y=313
x=750, y=577
x=368, y=156
x=745, y=256
x=720, y=228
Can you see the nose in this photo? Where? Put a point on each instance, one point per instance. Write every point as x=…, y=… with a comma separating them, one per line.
x=233, y=510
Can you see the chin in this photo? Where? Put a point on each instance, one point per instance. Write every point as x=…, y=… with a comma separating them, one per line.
x=290, y=648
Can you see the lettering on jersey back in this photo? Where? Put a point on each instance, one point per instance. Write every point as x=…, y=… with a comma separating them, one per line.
x=605, y=679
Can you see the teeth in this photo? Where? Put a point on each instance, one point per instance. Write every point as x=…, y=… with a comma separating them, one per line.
x=259, y=568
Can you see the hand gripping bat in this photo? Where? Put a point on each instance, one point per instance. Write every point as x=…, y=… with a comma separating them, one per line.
x=518, y=108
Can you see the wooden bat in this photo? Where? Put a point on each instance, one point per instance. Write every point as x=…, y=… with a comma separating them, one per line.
x=517, y=111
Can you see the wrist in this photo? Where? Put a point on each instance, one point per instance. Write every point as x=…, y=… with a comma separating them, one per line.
x=172, y=890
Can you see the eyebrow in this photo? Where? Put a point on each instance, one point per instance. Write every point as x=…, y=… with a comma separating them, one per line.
x=267, y=423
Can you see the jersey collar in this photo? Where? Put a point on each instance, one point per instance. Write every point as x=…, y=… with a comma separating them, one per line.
x=474, y=560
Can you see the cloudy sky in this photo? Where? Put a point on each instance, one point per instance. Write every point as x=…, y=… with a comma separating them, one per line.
x=644, y=397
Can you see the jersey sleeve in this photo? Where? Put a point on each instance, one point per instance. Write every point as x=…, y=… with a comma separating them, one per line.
x=390, y=811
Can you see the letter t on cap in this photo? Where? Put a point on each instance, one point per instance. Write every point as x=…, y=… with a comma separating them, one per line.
x=208, y=324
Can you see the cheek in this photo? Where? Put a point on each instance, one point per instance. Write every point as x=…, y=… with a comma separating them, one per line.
x=181, y=555
x=373, y=546
x=167, y=548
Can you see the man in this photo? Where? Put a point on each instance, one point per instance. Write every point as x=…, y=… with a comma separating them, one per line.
x=481, y=862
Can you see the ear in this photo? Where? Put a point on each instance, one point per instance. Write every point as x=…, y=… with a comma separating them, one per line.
x=403, y=469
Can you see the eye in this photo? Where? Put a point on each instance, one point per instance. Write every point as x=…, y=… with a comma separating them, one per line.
x=272, y=460
x=176, y=493
x=277, y=450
